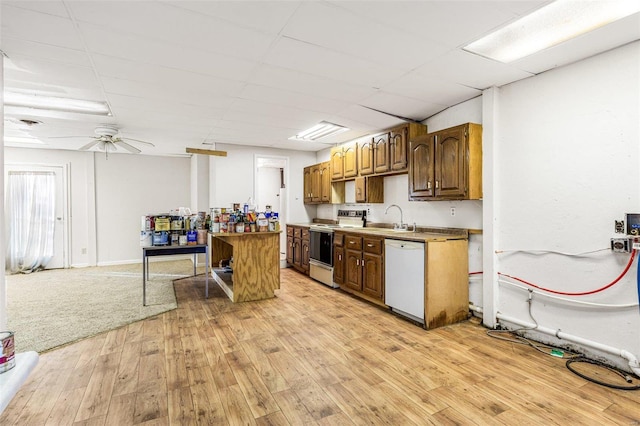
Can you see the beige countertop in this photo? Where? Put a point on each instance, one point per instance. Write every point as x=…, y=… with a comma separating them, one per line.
x=422, y=234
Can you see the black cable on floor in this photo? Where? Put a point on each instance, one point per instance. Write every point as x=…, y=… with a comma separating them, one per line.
x=621, y=373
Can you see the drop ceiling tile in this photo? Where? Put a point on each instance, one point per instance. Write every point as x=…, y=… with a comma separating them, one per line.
x=253, y=107
x=296, y=81
x=375, y=120
x=23, y=48
x=165, y=78
x=174, y=25
x=402, y=106
x=50, y=7
x=419, y=86
x=311, y=59
x=158, y=93
x=269, y=17
x=449, y=23
x=38, y=27
x=143, y=111
x=359, y=37
x=140, y=49
x=290, y=99
x=455, y=65
x=47, y=74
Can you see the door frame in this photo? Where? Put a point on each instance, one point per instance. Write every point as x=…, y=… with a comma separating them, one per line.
x=283, y=205
x=64, y=169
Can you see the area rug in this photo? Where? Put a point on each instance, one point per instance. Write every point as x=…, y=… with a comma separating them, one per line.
x=51, y=308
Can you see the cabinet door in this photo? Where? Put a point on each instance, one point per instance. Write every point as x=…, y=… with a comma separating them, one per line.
x=353, y=269
x=450, y=161
x=307, y=184
x=350, y=154
x=372, y=276
x=325, y=182
x=366, y=157
x=304, y=261
x=315, y=183
x=338, y=265
x=421, y=167
x=361, y=190
x=290, y=250
x=398, y=139
x=297, y=253
x=337, y=163
x=381, y=161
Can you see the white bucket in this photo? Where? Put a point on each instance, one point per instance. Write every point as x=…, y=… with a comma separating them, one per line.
x=146, y=239
x=7, y=356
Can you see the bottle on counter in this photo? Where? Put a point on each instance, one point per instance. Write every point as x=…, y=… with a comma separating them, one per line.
x=263, y=223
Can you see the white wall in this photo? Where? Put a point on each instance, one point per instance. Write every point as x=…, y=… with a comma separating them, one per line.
x=568, y=165
x=129, y=186
x=233, y=178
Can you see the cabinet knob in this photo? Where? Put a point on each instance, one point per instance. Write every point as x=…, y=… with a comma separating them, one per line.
x=369, y=245
x=339, y=257
x=436, y=184
x=357, y=262
x=428, y=184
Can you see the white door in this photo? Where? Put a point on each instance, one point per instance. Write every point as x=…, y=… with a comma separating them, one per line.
x=60, y=255
x=270, y=190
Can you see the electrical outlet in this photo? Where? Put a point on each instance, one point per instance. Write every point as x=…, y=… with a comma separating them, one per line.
x=453, y=211
x=619, y=226
x=84, y=250
x=620, y=245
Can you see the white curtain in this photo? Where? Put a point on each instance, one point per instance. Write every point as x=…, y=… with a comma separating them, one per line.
x=30, y=211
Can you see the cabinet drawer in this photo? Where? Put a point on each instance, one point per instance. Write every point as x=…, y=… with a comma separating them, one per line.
x=372, y=245
x=353, y=243
x=296, y=232
x=289, y=231
x=338, y=239
x=304, y=233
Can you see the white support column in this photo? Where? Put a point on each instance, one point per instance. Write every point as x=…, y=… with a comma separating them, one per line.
x=3, y=287
x=490, y=219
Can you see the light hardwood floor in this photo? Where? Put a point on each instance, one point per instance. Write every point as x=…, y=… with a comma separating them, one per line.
x=311, y=356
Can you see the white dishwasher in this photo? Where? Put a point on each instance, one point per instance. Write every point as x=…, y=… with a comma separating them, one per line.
x=404, y=278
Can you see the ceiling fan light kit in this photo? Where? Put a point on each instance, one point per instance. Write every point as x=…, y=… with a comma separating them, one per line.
x=107, y=139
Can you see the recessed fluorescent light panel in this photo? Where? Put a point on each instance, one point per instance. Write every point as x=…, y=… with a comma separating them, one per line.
x=32, y=100
x=550, y=25
x=319, y=131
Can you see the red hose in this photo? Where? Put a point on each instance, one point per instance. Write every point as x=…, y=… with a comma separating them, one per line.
x=584, y=293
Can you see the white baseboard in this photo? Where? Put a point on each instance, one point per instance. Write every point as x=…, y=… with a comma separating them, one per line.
x=151, y=259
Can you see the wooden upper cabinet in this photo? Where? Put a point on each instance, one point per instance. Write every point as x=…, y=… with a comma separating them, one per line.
x=398, y=148
x=325, y=182
x=307, y=184
x=369, y=189
x=421, y=167
x=450, y=171
x=447, y=164
x=382, y=161
x=337, y=163
x=350, y=156
x=315, y=183
x=365, y=154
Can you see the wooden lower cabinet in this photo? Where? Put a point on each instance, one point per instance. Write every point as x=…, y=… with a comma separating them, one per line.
x=298, y=248
x=362, y=270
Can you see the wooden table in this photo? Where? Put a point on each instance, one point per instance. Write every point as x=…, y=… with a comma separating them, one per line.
x=256, y=264
x=169, y=251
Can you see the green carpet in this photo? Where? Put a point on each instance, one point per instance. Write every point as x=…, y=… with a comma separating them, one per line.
x=51, y=308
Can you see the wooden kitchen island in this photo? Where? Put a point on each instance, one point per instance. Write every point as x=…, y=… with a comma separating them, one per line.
x=255, y=268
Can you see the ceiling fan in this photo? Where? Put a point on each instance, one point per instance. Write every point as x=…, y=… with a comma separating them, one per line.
x=108, y=139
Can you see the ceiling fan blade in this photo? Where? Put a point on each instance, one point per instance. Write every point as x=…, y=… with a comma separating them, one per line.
x=137, y=140
x=131, y=149
x=89, y=145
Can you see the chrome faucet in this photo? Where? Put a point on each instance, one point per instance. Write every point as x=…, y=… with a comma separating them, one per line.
x=402, y=225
